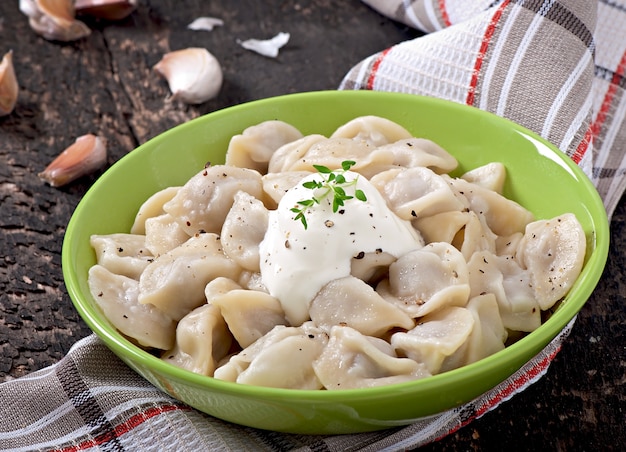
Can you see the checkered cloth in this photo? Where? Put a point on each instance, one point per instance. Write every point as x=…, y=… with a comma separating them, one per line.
x=555, y=67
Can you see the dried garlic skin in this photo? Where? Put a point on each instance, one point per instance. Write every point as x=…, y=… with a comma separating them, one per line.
x=105, y=9
x=9, y=88
x=266, y=47
x=54, y=19
x=194, y=75
x=86, y=155
x=205, y=24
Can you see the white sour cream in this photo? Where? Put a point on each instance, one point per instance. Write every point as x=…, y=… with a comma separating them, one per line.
x=297, y=262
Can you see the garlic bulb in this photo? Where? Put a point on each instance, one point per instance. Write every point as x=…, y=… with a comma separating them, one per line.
x=105, y=9
x=54, y=19
x=194, y=75
x=87, y=154
x=8, y=85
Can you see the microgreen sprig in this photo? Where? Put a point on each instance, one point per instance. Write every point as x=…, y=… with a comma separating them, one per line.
x=334, y=183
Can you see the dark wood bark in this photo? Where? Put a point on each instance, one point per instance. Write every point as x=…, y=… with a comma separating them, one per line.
x=104, y=84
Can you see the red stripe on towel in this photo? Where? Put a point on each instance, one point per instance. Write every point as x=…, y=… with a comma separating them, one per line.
x=484, y=45
x=123, y=428
x=444, y=13
x=370, y=79
x=596, y=124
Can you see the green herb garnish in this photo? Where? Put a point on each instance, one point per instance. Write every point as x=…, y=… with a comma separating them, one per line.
x=334, y=183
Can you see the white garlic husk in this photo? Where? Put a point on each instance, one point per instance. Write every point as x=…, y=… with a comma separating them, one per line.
x=9, y=88
x=54, y=19
x=105, y=9
x=87, y=154
x=205, y=24
x=194, y=75
x=266, y=47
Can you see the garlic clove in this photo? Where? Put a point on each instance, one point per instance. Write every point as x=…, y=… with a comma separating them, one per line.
x=205, y=24
x=105, y=9
x=194, y=75
x=266, y=47
x=86, y=155
x=8, y=85
x=54, y=19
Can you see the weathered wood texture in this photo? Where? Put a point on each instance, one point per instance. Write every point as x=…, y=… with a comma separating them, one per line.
x=105, y=84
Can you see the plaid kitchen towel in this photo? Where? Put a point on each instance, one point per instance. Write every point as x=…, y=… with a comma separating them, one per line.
x=556, y=67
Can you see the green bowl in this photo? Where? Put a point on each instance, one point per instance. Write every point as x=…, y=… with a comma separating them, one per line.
x=540, y=177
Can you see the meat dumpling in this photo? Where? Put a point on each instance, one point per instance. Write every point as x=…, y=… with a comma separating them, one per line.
x=202, y=204
x=374, y=130
x=117, y=296
x=427, y=279
x=554, y=253
x=202, y=340
x=254, y=147
x=435, y=337
x=122, y=254
x=416, y=192
x=512, y=287
x=176, y=280
x=281, y=359
x=351, y=302
x=244, y=228
x=353, y=360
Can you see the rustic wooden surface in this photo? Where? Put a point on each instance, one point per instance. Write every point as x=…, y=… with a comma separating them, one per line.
x=105, y=84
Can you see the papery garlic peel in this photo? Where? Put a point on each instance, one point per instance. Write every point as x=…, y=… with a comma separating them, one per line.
x=8, y=85
x=105, y=9
x=194, y=75
x=266, y=47
x=87, y=154
x=205, y=23
x=54, y=19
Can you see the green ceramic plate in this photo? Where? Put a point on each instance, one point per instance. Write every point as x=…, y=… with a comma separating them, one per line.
x=539, y=177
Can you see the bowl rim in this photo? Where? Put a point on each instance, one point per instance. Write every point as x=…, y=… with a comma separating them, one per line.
x=545, y=333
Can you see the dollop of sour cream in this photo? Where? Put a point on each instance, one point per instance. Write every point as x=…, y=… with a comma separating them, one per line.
x=297, y=262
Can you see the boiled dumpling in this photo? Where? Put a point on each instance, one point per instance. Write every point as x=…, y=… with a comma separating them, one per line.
x=152, y=207
x=435, y=337
x=287, y=155
x=413, y=152
x=374, y=130
x=487, y=337
x=275, y=185
x=504, y=216
x=252, y=281
x=254, y=147
x=416, y=192
x=176, y=280
x=117, y=296
x=351, y=302
x=353, y=360
x=512, y=287
x=370, y=267
x=164, y=233
x=244, y=228
x=490, y=176
x=442, y=227
x=554, y=252
x=202, y=339
x=281, y=359
x=427, y=279
x=122, y=254
x=331, y=152
x=477, y=236
x=249, y=314
x=202, y=204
